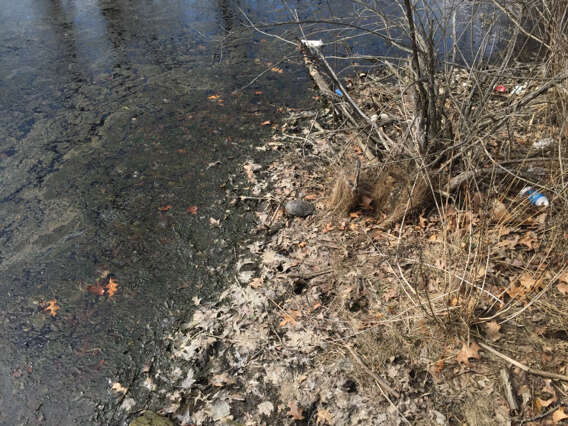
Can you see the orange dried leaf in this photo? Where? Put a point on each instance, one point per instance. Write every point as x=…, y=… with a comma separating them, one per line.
x=547, y=396
x=327, y=228
x=559, y=415
x=290, y=317
x=276, y=70
x=192, y=210
x=165, y=208
x=295, y=411
x=265, y=123
x=111, y=287
x=52, y=307
x=438, y=367
x=467, y=352
x=323, y=417
x=563, y=288
x=258, y=92
x=213, y=97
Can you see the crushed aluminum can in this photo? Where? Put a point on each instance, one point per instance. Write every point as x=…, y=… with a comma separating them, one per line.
x=500, y=89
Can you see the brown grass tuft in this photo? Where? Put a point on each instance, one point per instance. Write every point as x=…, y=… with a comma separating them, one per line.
x=343, y=198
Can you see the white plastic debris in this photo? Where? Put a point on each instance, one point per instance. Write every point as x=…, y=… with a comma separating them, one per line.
x=518, y=89
x=543, y=143
x=312, y=43
x=534, y=197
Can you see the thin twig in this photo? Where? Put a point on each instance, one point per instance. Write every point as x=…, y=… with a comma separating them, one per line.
x=523, y=366
x=381, y=382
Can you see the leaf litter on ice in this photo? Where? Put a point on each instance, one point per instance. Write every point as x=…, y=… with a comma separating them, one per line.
x=52, y=307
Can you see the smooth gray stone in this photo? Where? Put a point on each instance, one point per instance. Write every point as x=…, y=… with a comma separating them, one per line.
x=299, y=208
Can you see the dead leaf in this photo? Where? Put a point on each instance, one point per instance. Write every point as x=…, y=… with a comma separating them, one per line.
x=165, y=208
x=323, y=417
x=390, y=294
x=214, y=222
x=438, y=367
x=559, y=415
x=96, y=289
x=547, y=396
x=52, y=307
x=563, y=288
x=258, y=92
x=528, y=281
x=295, y=411
x=492, y=329
x=117, y=387
x=290, y=317
x=500, y=212
x=327, y=228
x=276, y=70
x=192, y=210
x=111, y=287
x=265, y=123
x=467, y=352
x=249, y=170
x=256, y=283
x=530, y=240
x=213, y=97
x=220, y=380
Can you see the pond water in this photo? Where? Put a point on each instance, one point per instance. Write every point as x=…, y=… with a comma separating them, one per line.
x=116, y=117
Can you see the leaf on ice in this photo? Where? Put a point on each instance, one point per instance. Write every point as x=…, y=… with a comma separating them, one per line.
x=111, y=287
x=52, y=307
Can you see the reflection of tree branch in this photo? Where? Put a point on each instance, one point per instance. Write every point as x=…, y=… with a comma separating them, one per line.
x=265, y=33
x=250, y=83
x=342, y=24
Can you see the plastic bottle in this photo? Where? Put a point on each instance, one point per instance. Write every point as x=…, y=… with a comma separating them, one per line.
x=534, y=197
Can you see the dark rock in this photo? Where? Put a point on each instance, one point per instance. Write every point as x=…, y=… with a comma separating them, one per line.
x=299, y=208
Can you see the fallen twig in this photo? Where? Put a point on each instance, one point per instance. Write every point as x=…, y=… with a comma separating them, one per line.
x=509, y=391
x=380, y=381
x=523, y=366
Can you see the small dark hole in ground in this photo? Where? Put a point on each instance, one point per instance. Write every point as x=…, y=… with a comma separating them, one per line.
x=350, y=386
x=300, y=286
